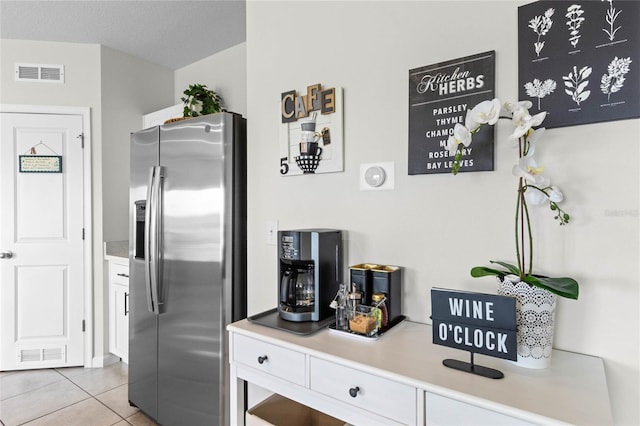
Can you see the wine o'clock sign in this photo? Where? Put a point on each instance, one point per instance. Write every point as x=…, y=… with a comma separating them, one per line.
x=475, y=322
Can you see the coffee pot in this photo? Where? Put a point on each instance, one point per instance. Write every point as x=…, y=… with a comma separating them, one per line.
x=309, y=272
x=296, y=287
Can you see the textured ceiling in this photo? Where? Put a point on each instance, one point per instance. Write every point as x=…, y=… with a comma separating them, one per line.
x=169, y=33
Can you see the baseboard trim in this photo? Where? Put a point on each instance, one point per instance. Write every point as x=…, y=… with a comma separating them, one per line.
x=104, y=360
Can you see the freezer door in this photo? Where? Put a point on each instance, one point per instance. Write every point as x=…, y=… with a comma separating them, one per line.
x=143, y=324
x=197, y=160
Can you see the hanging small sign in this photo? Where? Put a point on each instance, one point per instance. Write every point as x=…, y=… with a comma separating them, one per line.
x=439, y=97
x=40, y=163
x=474, y=322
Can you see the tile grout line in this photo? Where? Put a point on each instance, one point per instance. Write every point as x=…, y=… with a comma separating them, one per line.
x=37, y=388
x=100, y=402
x=61, y=408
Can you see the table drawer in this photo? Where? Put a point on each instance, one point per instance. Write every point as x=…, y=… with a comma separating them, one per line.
x=283, y=363
x=372, y=393
x=119, y=273
x=443, y=411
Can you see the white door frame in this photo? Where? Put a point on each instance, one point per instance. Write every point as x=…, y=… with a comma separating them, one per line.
x=85, y=112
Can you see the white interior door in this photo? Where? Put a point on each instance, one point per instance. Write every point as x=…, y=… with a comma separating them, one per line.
x=41, y=241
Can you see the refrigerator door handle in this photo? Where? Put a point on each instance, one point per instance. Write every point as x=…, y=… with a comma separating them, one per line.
x=151, y=238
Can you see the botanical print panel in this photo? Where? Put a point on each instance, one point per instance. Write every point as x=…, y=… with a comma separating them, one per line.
x=579, y=61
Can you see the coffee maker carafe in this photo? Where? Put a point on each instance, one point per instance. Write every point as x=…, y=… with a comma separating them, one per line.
x=309, y=271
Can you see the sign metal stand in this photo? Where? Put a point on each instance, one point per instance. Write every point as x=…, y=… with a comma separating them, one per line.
x=474, y=322
x=470, y=367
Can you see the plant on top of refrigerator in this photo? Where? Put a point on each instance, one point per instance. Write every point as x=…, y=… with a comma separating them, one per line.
x=200, y=100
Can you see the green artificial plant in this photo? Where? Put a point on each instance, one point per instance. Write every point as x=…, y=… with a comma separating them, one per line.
x=200, y=100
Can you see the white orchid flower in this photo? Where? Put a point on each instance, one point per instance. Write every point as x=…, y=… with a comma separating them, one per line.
x=452, y=144
x=531, y=137
x=486, y=112
x=555, y=195
x=523, y=121
x=461, y=135
x=509, y=107
x=535, y=197
x=469, y=123
x=529, y=170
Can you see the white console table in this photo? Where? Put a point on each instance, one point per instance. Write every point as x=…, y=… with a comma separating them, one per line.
x=400, y=379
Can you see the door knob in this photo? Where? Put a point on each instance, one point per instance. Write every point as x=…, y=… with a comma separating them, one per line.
x=6, y=254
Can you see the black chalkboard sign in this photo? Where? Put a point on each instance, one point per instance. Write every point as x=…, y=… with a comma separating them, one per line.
x=580, y=60
x=439, y=97
x=475, y=322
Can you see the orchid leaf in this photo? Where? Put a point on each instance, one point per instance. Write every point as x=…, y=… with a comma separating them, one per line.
x=512, y=268
x=483, y=271
x=564, y=287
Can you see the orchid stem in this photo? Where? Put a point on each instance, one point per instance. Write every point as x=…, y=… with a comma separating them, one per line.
x=530, y=234
x=516, y=226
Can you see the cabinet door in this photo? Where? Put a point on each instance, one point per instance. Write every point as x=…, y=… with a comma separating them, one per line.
x=119, y=309
x=119, y=321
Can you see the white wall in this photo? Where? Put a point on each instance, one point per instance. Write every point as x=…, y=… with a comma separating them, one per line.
x=225, y=73
x=130, y=88
x=80, y=89
x=438, y=226
x=119, y=89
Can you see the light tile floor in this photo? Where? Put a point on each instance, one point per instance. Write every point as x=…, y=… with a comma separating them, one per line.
x=67, y=397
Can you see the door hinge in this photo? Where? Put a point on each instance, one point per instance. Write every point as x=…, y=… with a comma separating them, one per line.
x=83, y=326
x=81, y=137
x=82, y=234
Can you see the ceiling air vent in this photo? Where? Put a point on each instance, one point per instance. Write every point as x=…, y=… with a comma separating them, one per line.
x=41, y=73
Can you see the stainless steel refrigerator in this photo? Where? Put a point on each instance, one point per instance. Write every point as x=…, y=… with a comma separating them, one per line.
x=187, y=258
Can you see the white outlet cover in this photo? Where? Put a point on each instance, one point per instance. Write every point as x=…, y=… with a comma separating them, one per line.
x=389, y=176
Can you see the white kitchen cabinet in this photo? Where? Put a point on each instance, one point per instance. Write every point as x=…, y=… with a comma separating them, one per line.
x=370, y=392
x=119, y=308
x=400, y=379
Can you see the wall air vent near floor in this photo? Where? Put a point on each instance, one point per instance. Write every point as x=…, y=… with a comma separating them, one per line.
x=40, y=73
x=42, y=355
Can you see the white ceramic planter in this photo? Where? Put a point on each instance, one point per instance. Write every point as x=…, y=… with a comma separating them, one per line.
x=535, y=317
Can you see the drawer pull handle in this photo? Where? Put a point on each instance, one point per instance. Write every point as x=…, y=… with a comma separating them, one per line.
x=123, y=275
x=354, y=391
x=262, y=359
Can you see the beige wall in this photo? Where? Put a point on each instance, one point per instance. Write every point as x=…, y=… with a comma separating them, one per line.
x=119, y=89
x=435, y=226
x=130, y=88
x=438, y=226
x=224, y=72
x=81, y=88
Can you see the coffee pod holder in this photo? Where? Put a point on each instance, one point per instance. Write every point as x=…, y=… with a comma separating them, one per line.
x=308, y=163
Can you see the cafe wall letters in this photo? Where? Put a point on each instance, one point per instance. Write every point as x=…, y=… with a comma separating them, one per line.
x=439, y=97
x=311, y=131
x=579, y=60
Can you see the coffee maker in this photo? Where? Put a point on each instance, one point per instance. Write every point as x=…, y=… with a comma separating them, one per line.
x=309, y=273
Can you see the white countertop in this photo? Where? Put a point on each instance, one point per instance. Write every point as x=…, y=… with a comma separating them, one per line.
x=572, y=390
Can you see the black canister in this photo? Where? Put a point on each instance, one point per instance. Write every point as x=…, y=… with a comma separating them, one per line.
x=361, y=280
x=388, y=280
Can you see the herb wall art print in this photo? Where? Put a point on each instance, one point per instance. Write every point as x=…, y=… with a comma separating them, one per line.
x=439, y=97
x=580, y=61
